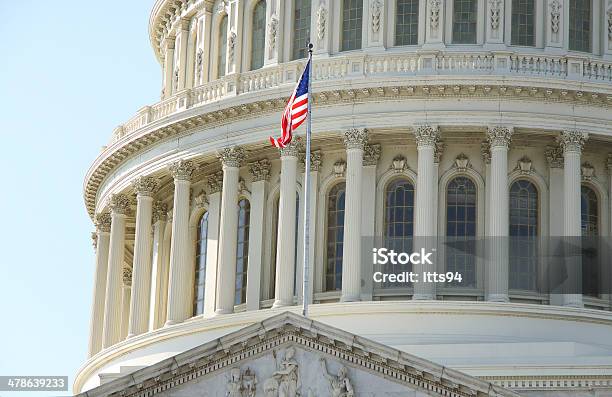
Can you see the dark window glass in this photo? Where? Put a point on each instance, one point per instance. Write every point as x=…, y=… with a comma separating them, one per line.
x=523, y=24
x=580, y=25
x=461, y=229
x=242, y=251
x=464, y=21
x=407, y=22
x=274, y=246
x=352, y=15
x=589, y=212
x=200, y=266
x=335, y=237
x=301, y=29
x=523, y=230
x=589, y=209
x=258, y=35
x=222, y=58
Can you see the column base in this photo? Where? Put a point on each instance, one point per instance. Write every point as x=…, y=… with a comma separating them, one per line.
x=344, y=298
x=498, y=298
x=573, y=300
x=220, y=312
x=280, y=303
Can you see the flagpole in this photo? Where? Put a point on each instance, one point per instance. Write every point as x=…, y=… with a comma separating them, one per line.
x=305, y=289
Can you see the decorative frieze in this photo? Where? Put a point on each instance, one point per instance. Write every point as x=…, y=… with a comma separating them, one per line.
x=103, y=222
x=145, y=185
x=587, y=171
x=182, y=170
x=231, y=156
x=260, y=170
x=119, y=204
x=160, y=211
x=573, y=140
x=426, y=135
x=356, y=138
x=371, y=154
x=215, y=182
x=499, y=136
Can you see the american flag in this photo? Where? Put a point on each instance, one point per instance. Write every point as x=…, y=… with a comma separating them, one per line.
x=295, y=112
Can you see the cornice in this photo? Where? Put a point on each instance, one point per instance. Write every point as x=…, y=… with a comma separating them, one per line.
x=211, y=115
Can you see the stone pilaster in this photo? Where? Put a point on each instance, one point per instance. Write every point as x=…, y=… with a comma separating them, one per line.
x=231, y=157
x=126, y=298
x=215, y=182
x=371, y=155
x=354, y=140
x=181, y=268
x=160, y=271
x=499, y=138
x=120, y=207
x=168, y=67
x=103, y=226
x=144, y=187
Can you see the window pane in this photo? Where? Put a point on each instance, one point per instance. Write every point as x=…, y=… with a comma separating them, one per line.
x=352, y=15
x=222, y=58
x=589, y=213
x=242, y=251
x=580, y=25
x=259, y=35
x=301, y=29
x=523, y=25
x=464, y=21
x=407, y=22
x=523, y=233
x=461, y=228
x=335, y=237
x=200, y=266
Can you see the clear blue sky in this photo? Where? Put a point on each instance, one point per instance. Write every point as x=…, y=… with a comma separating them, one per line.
x=70, y=71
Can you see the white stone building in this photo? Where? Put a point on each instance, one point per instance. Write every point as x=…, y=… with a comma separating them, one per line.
x=462, y=118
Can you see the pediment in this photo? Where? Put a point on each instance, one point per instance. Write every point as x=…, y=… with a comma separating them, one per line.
x=289, y=356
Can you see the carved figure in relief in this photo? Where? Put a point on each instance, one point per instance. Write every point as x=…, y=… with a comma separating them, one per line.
x=287, y=374
x=234, y=385
x=340, y=384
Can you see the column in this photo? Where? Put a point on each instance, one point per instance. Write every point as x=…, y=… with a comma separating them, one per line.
x=159, y=280
x=169, y=67
x=182, y=41
x=204, y=44
x=260, y=171
x=572, y=143
x=368, y=198
x=554, y=157
x=120, y=206
x=144, y=187
x=354, y=140
x=126, y=297
x=424, y=229
x=234, y=37
x=215, y=183
x=609, y=166
x=103, y=225
x=181, y=268
x=497, y=266
x=285, y=246
x=231, y=157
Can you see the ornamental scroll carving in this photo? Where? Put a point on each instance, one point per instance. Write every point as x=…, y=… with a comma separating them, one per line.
x=434, y=14
x=376, y=9
x=272, y=32
x=609, y=22
x=321, y=20
x=231, y=45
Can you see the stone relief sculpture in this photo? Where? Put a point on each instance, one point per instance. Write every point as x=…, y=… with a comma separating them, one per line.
x=285, y=381
x=495, y=10
x=376, y=9
x=241, y=384
x=231, y=45
x=555, y=15
x=272, y=31
x=321, y=20
x=340, y=384
x=434, y=13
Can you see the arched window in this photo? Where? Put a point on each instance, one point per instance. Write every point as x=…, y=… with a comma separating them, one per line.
x=200, y=266
x=465, y=14
x=222, y=50
x=275, y=247
x=398, y=222
x=406, y=22
x=242, y=250
x=258, y=35
x=335, y=237
x=352, y=17
x=523, y=230
x=589, y=211
x=523, y=23
x=461, y=229
x=580, y=25
x=301, y=29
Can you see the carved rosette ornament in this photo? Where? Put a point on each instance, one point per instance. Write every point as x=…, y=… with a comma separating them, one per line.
x=145, y=186
x=215, y=182
x=119, y=204
x=499, y=136
x=292, y=149
x=321, y=20
x=103, y=222
x=160, y=211
x=587, y=171
x=231, y=156
x=573, y=141
x=376, y=9
x=127, y=276
x=272, y=32
x=260, y=170
x=555, y=15
x=371, y=154
x=426, y=135
x=356, y=138
x=485, y=152
x=182, y=170
x=554, y=156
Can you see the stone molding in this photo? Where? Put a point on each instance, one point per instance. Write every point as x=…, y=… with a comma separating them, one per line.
x=182, y=170
x=103, y=222
x=573, y=140
x=119, y=204
x=426, y=135
x=260, y=170
x=145, y=186
x=232, y=156
x=355, y=138
x=499, y=136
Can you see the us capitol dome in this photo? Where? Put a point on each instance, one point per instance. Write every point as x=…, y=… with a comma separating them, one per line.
x=461, y=118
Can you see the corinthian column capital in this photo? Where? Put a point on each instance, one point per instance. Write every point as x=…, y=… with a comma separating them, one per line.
x=215, y=182
x=127, y=276
x=182, y=170
x=293, y=149
x=260, y=170
x=355, y=138
x=119, y=204
x=426, y=135
x=499, y=135
x=103, y=222
x=573, y=140
x=371, y=154
x=554, y=156
x=145, y=186
x=160, y=211
x=231, y=156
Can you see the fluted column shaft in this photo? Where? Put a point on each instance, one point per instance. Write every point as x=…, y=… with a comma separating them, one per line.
x=119, y=205
x=499, y=228
x=285, y=246
x=160, y=270
x=572, y=143
x=103, y=224
x=231, y=158
x=181, y=268
x=169, y=67
x=355, y=140
x=424, y=228
x=212, y=251
x=126, y=298
x=141, y=283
